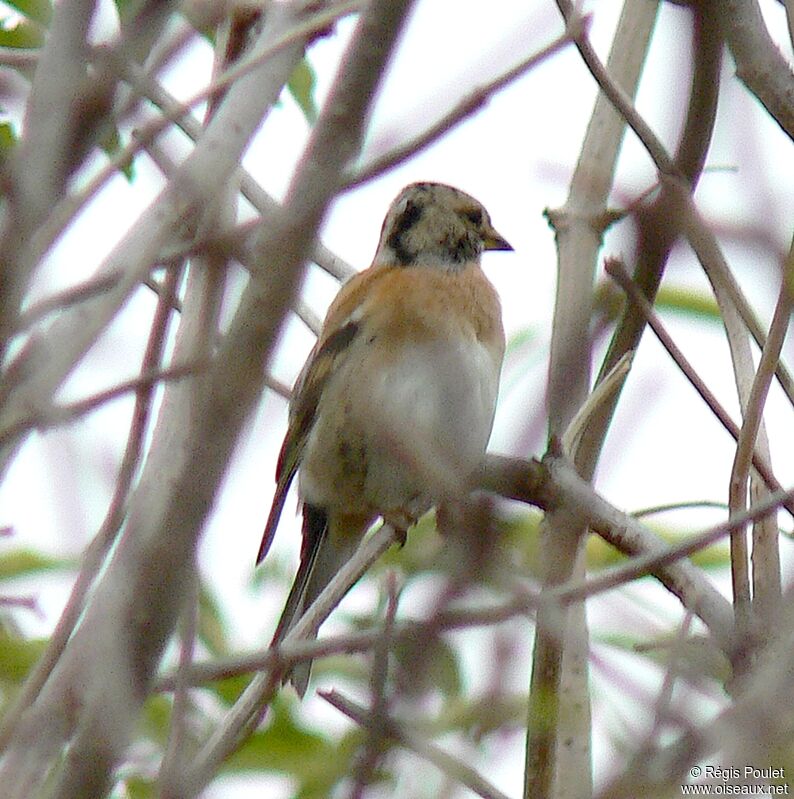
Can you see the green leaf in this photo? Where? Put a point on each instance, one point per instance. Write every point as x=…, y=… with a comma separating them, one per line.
x=692, y=303
x=111, y=144
x=139, y=788
x=22, y=36
x=8, y=140
x=427, y=663
x=156, y=717
x=285, y=746
x=211, y=625
x=24, y=562
x=37, y=10
x=229, y=690
x=301, y=85
x=17, y=656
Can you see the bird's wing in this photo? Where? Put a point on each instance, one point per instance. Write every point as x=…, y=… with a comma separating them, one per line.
x=309, y=387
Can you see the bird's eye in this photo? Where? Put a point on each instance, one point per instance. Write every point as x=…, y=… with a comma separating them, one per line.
x=474, y=216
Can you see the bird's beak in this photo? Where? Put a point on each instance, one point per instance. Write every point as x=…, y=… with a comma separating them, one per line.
x=493, y=241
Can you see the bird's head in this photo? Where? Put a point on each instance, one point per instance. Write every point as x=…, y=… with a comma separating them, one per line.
x=436, y=225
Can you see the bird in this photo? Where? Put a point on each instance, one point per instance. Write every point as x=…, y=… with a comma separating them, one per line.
x=393, y=409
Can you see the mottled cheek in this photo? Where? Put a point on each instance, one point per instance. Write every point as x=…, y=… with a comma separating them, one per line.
x=462, y=247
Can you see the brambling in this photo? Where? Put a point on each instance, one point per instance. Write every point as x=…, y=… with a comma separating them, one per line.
x=394, y=406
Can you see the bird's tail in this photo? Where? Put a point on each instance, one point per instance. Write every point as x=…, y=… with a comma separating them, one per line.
x=326, y=548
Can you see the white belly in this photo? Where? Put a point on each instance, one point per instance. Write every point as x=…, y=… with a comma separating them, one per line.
x=421, y=424
x=439, y=401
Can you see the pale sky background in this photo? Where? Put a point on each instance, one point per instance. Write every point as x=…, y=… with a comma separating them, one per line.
x=516, y=156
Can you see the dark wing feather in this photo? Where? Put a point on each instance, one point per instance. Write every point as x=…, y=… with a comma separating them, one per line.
x=315, y=528
x=303, y=407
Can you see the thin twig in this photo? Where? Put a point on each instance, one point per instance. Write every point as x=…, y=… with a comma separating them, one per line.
x=97, y=550
x=766, y=555
x=452, y=767
x=59, y=415
x=614, y=268
x=172, y=763
x=175, y=112
x=671, y=506
x=18, y=57
x=465, y=108
x=375, y=742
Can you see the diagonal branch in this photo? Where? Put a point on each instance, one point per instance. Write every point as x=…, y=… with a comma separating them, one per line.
x=454, y=769
x=47, y=360
x=615, y=269
x=558, y=746
x=759, y=63
x=468, y=106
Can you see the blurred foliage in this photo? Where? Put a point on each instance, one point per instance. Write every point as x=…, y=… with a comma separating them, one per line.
x=22, y=34
x=24, y=562
x=694, y=304
x=302, y=86
x=430, y=674
x=212, y=626
x=17, y=656
x=8, y=140
x=313, y=759
x=35, y=10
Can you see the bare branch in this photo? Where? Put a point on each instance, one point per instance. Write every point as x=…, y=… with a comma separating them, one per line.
x=468, y=106
x=658, y=225
x=172, y=764
x=19, y=58
x=455, y=769
x=759, y=63
x=554, y=484
x=176, y=112
x=50, y=359
x=287, y=653
x=65, y=113
x=378, y=713
x=766, y=555
x=745, y=732
x=96, y=552
x=558, y=744
x=247, y=712
x=207, y=437
x=59, y=415
x=614, y=269
x=125, y=627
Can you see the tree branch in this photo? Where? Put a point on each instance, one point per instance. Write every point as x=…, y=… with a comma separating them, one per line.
x=759, y=63
x=47, y=360
x=465, y=108
x=456, y=770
